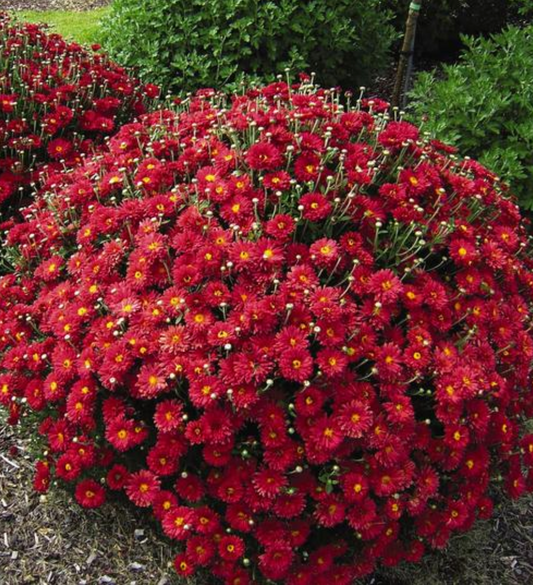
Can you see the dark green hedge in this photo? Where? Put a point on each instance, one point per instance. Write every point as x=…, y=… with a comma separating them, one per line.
x=186, y=45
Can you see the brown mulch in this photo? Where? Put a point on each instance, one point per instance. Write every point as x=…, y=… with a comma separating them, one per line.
x=51, y=541
x=498, y=551
x=77, y=5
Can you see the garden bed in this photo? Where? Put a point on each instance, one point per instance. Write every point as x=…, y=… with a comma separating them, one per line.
x=391, y=397
x=55, y=542
x=51, y=540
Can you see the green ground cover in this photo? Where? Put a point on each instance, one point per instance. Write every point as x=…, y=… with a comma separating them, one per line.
x=82, y=27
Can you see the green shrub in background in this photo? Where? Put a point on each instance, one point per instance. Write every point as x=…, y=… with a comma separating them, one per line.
x=442, y=22
x=189, y=44
x=523, y=7
x=484, y=105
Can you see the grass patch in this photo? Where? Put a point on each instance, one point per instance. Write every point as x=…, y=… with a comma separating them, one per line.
x=82, y=27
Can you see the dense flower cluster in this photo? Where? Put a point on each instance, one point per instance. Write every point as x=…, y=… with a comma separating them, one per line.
x=298, y=332
x=56, y=101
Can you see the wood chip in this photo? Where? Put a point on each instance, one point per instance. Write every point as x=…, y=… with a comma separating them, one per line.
x=90, y=559
x=12, y=463
x=135, y=566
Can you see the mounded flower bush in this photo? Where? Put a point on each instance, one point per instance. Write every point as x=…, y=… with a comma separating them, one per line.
x=298, y=333
x=57, y=101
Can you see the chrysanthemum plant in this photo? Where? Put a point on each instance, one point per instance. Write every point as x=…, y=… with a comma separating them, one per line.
x=57, y=102
x=294, y=329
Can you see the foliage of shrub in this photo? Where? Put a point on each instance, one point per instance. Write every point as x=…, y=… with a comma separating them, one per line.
x=523, y=7
x=184, y=45
x=484, y=105
x=442, y=22
x=57, y=100
x=299, y=333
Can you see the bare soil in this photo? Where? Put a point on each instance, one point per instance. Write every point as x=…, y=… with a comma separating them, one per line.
x=79, y=5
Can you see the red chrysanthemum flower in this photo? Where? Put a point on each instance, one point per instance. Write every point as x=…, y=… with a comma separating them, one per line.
x=121, y=434
x=315, y=206
x=168, y=415
x=276, y=560
x=68, y=467
x=268, y=483
x=527, y=448
x=142, y=487
x=290, y=505
x=178, y=522
x=151, y=382
x=183, y=565
x=296, y=365
x=307, y=167
x=355, y=486
x=231, y=548
x=264, y=156
x=463, y=252
x=163, y=502
x=89, y=494
x=41, y=480
x=200, y=549
x=385, y=285
x=354, y=418
x=59, y=148
x=326, y=434
x=117, y=477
